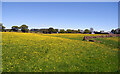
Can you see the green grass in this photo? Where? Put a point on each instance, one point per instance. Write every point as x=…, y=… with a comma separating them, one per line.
x=26, y=52
x=109, y=42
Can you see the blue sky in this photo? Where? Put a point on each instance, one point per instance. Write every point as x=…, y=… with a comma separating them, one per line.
x=60, y=0
x=61, y=15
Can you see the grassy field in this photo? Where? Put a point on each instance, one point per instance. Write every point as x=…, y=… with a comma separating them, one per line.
x=29, y=52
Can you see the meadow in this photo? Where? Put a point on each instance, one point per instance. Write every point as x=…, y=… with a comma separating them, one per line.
x=30, y=52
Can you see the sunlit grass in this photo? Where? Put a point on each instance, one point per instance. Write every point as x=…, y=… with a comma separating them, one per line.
x=27, y=52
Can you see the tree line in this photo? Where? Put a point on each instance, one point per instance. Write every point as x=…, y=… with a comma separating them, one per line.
x=24, y=28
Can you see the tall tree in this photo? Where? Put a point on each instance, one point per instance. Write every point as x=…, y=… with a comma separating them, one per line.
x=24, y=28
x=51, y=30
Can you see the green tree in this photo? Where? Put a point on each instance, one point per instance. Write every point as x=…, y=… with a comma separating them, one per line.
x=56, y=30
x=24, y=28
x=86, y=31
x=15, y=28
x=102, y=31
x=51, y=30
x=2, y=28
x=69, y=31
x=74, y=31
x=113, y=31
x=78, y=30
x=62, y=31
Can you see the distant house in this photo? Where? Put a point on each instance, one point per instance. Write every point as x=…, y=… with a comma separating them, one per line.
x=92, y=33
x=81, y=31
